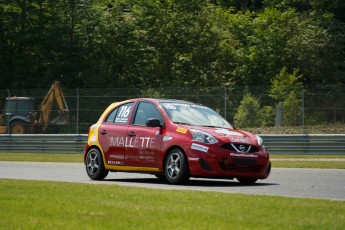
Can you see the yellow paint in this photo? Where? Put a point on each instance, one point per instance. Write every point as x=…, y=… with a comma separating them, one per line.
x=130, y=168
x=93, y=141
x=93, y=132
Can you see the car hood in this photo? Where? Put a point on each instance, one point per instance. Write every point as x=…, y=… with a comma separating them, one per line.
x=230, y=135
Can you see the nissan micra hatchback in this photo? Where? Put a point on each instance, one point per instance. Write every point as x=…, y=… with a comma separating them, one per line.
x=174, y=140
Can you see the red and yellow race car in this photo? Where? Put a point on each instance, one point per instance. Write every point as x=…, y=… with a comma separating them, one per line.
x=174, y=140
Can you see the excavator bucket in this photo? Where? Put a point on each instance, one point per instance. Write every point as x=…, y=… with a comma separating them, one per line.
x=61, y=119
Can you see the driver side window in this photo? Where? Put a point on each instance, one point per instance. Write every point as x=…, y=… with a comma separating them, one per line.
x=145, y=111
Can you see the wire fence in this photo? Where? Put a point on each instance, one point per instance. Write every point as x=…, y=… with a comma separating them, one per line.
x=317, y=109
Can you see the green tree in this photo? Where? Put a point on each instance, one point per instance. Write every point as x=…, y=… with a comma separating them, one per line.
x=247, y=112
x=38, y=42
x=287, y=89
x=284, y=83
x=266, y=116
x=154, y=43
x=292, y=109
x=184, y=41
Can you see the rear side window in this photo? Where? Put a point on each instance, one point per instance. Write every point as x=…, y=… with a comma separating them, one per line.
x=120, y=115
x=123, y=113
x=112, y=115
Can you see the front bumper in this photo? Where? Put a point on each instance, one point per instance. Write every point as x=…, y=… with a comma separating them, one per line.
x=221, y=163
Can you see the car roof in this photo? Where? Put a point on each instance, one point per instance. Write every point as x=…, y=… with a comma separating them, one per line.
x=160, y=100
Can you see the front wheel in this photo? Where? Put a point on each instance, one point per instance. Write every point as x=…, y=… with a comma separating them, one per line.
x=176, y=167
x=94, y=165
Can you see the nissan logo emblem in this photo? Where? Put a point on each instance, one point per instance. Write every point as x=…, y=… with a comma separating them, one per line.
x=242, y=148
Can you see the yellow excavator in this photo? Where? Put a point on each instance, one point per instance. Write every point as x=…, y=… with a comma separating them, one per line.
x=20, y=117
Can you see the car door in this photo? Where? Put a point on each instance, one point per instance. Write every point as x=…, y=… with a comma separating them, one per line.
x=144, y=145
x=112, y=134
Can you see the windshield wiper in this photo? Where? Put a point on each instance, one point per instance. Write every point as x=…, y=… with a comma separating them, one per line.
x=211, y=126
x=181, y=123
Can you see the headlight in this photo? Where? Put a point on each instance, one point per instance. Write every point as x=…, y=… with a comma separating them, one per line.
x=203, y=137
x=260, y=141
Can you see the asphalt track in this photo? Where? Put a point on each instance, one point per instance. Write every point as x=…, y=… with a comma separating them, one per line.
x=311, y=183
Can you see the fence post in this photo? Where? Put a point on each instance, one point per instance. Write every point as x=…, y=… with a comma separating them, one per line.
x=225, y=101
x=302, y=110
x=77, y=125
x=279, y=115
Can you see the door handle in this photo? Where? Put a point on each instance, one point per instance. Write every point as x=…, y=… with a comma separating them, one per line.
x=131, y=134
x=104, y=132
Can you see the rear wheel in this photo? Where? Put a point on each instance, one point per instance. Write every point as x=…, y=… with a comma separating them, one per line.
x=161, y=177
x=176, y=167
x=18, y=127
x=94, y=165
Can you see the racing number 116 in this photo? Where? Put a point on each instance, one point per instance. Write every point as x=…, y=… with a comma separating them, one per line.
x=124, y=111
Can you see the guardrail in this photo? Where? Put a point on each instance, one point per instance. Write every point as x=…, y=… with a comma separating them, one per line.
x=43, y=143
x=72, y=143
x=305, y=143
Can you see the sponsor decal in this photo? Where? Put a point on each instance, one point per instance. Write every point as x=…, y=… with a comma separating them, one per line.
x=140, y=157
x=143, y=151
x=123, y=114
x=115, y=156
x=172, y=106
x=199, y=147
x=143, y=155
x=242, y=140
x=193, y=159
x=93, y=138
x=115, y=163
x=243, y=155
x=227, y=132
x=148, y=158
x=167, y=138
x=93, y=133
x=169, y=106
x=128, y=157
x=181, y=130
x=132, y=142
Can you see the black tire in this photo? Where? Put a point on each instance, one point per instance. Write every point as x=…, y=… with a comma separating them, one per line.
x=94, y=165
x=176, y=167
x=18, y=127
x=247, y=181
x=268, y=170
x=161, y=177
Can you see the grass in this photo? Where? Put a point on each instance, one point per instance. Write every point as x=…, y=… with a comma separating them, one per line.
x=306, y=156
x=308, y=161
x=307, y=129
x=42, y=157
x=278, y=161
x=56, y=205
x=309, y=164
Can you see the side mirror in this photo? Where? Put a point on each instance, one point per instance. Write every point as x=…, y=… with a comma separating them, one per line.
x=154, y=122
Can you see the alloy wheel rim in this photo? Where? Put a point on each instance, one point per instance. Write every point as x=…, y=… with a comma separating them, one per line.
x=174, y=165
x=92, y=163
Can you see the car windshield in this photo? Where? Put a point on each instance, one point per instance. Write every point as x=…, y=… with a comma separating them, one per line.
x=193, y=114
